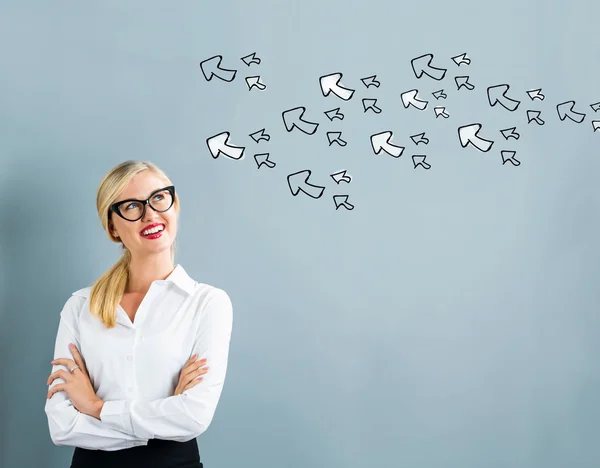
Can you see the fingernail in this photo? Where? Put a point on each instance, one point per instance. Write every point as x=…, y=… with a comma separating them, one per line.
x=71, y=345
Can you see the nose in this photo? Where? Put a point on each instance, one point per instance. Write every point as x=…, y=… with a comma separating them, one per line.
x=150, y=215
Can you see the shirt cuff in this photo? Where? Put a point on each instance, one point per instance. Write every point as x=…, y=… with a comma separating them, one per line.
x=117, y=414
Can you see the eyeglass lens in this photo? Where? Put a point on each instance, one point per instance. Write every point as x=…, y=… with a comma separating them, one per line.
x=160, y=201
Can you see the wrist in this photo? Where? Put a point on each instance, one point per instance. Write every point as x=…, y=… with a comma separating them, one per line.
x=98, y=408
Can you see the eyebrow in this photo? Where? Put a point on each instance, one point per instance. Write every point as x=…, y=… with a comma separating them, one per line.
x=140, y=199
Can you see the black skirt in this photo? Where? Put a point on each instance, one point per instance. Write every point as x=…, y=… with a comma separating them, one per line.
x=157, y=454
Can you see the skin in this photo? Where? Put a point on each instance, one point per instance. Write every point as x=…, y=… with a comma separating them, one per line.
x=150, y=260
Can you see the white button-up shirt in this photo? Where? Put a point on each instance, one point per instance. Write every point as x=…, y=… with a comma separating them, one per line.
x=135, y=367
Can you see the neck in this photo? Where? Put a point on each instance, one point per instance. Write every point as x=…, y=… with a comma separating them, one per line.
x=143, y=271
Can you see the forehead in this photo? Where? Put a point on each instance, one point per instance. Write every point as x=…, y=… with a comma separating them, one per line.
x=142, y=185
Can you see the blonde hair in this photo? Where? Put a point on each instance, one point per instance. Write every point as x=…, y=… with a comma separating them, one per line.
x=108, y=290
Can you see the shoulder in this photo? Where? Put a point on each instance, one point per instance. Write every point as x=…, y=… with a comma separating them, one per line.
x=83, y=292
x=74, y=305
x=205, y=293
x=210, y=297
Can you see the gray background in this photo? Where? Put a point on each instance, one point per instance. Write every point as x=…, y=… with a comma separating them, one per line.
x=449, y=320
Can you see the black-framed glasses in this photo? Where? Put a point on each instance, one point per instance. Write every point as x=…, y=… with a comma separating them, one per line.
x=132, y=209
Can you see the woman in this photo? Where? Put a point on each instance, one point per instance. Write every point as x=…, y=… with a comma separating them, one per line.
x=155, y=342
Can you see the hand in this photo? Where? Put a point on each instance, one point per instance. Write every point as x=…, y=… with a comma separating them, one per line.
x=188, y=377
x=77, y=385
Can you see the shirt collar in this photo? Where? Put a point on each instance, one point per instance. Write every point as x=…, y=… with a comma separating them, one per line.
x=181, y=279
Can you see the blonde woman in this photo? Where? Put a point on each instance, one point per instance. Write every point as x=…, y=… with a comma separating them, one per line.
x=141, y=355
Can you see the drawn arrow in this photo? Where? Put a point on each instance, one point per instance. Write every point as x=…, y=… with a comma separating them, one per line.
x=335, y=137
x=381, y=142
x=536, y=94
x=263, y=158
x=510, y=133
x=409, y=98
x=534, y=116
x=419, y=138
x=331, y=84
x=260, y=135
x=439, y=94
x=219, y=144
x=370, y=81
x=439, y=110
x=298, y=182
x=212, y=67
x=370, y=104
x=422, y=66
x=469, y=134
x=595, y=124
x=509, y=156
x=595, y=107
x=341, y=176
x=419, y=160
x=497, y=95
x=250, y=59
x=334, y=114
x=565, y=110
x=292, y=118
x=254, y=82
x=462, y=58
x=342, y=200
x=463, y=81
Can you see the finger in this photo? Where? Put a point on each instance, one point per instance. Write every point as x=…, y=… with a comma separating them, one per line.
x=59, y=374
x=56, y=388
x=194, y=375
x=77, y=357
x=191, y=361
x=68, y=363
x=193, y=383
x=194, y=366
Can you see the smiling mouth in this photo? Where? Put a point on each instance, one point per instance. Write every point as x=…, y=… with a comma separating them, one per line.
x=153, y=232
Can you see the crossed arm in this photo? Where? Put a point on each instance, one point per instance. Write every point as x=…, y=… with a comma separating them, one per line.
x=128, y=423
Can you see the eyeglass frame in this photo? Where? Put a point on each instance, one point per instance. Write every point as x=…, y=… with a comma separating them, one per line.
x=116, y=207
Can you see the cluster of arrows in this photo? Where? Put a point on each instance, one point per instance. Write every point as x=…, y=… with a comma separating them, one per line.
x=469, y=135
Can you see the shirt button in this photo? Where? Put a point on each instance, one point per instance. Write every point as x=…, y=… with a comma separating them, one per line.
x=130, y=357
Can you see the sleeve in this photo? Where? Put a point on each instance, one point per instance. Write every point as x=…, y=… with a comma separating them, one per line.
x=67, y=425
x=187, y=415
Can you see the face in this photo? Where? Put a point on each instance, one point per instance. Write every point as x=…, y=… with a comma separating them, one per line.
x=130, y=232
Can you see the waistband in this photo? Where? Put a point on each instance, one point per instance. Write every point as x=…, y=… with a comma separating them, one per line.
x=158, y=453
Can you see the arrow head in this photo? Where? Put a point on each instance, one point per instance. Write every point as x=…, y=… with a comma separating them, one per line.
x=342, y=200
x=250, y=59
x=469, y=134
x=510, y=133
x=334, y=114
x=219, y=144
x=212, y=67
x=263, y=159
x=370, y=81
x=565, y=109
x=260, y=135
x=292, y=118
x=422, y=66
x=341, y=176
x=255, y=82
x=298, y=182
x=497, y=95
x=331, y=84
x=462, y=58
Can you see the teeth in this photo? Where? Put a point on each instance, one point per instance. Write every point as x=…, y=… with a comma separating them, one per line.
x=152, y=231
